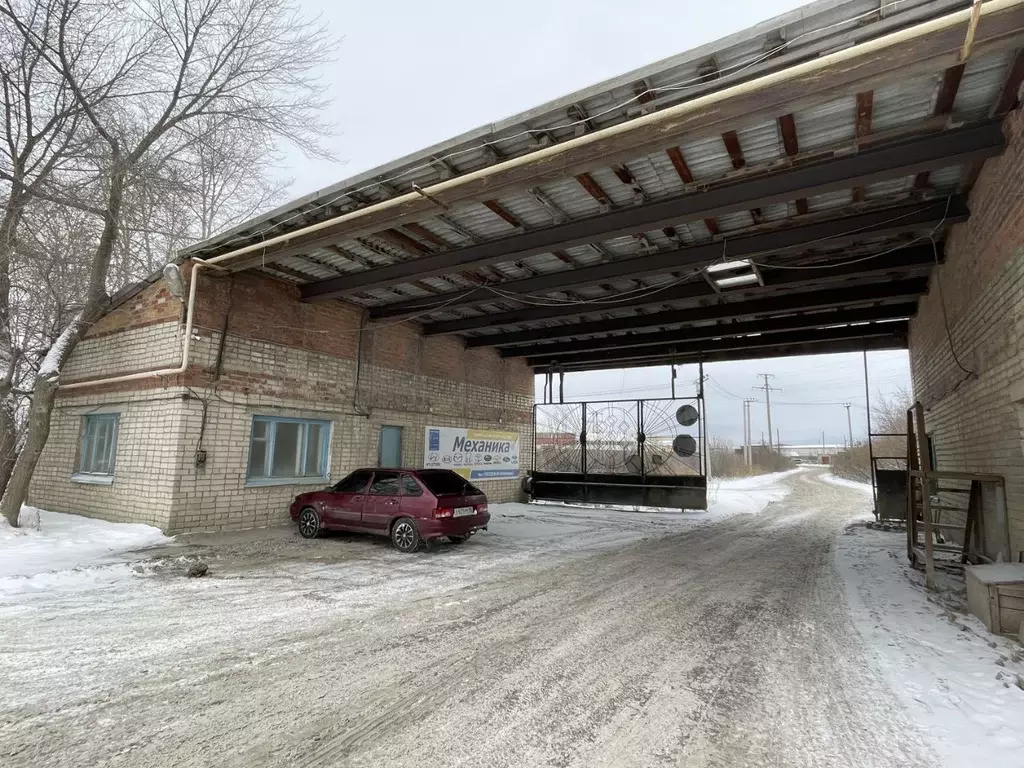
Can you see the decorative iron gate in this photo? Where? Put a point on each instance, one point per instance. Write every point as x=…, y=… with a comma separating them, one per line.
x=640, y=452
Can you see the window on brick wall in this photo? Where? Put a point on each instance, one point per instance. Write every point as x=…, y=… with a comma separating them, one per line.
x=98, y=447
x=288, y=449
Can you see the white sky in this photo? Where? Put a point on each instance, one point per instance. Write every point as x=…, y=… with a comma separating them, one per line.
x=410, y=73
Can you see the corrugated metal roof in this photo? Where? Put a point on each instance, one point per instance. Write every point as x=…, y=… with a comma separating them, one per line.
x=904, y=107
x=817, y=28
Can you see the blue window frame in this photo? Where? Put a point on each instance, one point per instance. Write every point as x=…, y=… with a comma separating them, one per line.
x=287, y=449
x=99, y=445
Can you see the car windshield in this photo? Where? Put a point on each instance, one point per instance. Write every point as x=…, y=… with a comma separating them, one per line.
x=442, y=482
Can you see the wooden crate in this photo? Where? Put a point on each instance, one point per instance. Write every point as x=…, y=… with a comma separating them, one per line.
x=995, y=594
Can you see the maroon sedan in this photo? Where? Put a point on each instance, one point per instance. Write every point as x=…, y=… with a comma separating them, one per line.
x=410, y=506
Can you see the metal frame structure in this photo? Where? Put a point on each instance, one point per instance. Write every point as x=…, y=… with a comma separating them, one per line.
x=573, y=480
x=785, y=190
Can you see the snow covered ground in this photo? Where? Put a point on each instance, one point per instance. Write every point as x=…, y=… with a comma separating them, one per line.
x=51, y=541
x=846, y=483
x=958, y=682
x=767, y=634
x=70, y=551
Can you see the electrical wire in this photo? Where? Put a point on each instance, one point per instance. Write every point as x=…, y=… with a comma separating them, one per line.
x=617, y=298
x=680, y=85
x=945, y=320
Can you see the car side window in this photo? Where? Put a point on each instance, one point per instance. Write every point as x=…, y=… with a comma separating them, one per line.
x=385, y=484
x=410, y=487
x=354, y=483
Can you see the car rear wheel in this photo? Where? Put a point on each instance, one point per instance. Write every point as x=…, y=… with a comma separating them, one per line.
x=309, y=523
x=458, y=539
x=405, y=536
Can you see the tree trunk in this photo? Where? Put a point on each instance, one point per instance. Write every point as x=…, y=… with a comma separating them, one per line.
x=13, y=209
x=38, y=432
x=38, y=429
x=8, y=445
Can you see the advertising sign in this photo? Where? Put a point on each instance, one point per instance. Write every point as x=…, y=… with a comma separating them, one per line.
x=476, y=454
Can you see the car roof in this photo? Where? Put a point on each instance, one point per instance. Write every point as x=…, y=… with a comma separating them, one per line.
x=407, y=470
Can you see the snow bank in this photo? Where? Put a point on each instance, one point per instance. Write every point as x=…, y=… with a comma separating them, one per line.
x=63, y=542
x=831, y=479
x=959, y=689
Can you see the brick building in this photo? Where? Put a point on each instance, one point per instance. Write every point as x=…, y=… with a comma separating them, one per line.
x=177, y=451
x=786, y=190
x=974, y=401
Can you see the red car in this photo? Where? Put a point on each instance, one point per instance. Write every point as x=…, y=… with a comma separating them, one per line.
x=411, y=506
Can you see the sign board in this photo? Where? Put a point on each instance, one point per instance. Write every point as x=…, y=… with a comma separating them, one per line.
x=476, y=454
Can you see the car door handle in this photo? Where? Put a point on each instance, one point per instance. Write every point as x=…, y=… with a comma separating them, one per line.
x=391, y=502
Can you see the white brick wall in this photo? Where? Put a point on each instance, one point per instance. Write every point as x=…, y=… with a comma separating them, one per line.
x=974, y=416
x=156, y=479
x=136, y=349
x=145, y=470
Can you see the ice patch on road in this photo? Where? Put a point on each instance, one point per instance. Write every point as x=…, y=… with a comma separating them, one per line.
x=63, y=542
x=940, y=663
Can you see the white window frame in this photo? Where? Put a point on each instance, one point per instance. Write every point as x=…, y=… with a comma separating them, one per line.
x=301, y=449
x=87, y=449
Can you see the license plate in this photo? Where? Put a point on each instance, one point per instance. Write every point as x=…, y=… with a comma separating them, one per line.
x=464, y=511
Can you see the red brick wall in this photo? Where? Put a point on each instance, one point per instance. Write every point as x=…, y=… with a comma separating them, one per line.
x=152, y=305
x=270, y=310
x=973, y=416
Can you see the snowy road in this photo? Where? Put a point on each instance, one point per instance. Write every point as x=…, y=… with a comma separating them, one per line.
x=710, y=641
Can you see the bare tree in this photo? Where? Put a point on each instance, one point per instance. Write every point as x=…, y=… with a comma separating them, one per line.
x=152, y=80
x=41, y=128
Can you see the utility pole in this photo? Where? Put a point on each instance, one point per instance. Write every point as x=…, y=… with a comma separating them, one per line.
x=849, y=423
x=748, y=429
x=768, y=402
x=746, y=426
x=778, y=440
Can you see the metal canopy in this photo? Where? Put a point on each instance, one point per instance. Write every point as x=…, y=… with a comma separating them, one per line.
x=797, y=213
x=899, y=158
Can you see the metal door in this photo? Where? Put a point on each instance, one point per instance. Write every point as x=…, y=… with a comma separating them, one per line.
x=389, y=453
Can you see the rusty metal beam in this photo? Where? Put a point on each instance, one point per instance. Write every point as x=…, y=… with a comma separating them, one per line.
x=893, y=330
x=827, y=233
x=907, y=260
x=895, y=341
x=1009, y=93
x=944, y=101
x=894, y=159
x=862, y=128
x=594, y=189
x=499, y=210
x=787, y=126
x=762, y=304
x=567, y=349
x=739, y=162
x=675, y=154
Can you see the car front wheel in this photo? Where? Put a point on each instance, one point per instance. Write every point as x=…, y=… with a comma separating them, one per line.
x=405, y=536
x=309, y=523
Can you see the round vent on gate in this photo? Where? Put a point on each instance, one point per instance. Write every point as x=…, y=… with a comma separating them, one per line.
x=684, y=445
x=686, y=415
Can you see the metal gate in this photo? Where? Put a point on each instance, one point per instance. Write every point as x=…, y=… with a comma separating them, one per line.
x=635, y=452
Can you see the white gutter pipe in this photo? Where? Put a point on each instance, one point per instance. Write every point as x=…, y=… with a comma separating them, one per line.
x=186, y=347
x=969, y=16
